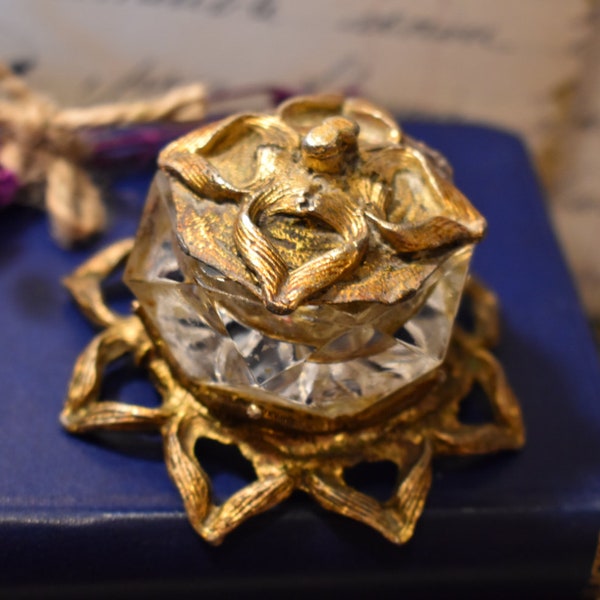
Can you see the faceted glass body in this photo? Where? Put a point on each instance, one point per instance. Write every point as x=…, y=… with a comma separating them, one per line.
x=328, y=359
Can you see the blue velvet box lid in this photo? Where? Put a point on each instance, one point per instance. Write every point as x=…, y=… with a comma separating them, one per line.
x=102, y=509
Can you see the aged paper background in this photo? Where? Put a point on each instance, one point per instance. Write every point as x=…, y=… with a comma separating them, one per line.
x=517, y=64
x=576, y=193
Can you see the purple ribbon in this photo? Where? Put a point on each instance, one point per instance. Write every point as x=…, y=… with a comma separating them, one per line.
x=9, y=184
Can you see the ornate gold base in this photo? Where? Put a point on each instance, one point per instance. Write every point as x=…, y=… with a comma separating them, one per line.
x=408, y=431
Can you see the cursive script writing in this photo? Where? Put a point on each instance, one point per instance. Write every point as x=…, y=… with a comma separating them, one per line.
x=398, y=24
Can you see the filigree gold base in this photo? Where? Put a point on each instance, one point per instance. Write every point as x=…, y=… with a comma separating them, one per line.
x=288, y=456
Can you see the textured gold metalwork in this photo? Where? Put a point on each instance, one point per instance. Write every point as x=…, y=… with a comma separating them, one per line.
x=374, y=247
x=325, y=161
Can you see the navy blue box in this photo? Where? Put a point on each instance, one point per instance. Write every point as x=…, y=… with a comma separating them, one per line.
x=100, y=512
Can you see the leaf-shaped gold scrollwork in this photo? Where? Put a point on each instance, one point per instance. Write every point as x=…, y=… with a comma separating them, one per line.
x=284, y=289
x=284, y=461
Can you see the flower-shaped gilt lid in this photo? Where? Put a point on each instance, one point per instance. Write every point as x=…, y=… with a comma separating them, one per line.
x=324, y=202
